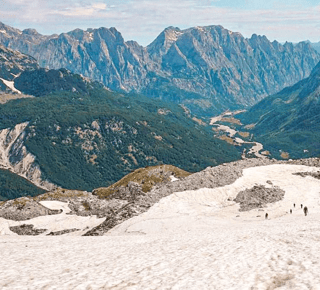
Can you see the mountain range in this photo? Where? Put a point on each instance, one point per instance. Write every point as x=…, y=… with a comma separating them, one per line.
x=208, y=69
x=59, y=128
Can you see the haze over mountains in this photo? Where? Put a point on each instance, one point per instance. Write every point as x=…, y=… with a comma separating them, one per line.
x=208, y=69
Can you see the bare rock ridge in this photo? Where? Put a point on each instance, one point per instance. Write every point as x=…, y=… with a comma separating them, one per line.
x=206, y=68
x=15, y=156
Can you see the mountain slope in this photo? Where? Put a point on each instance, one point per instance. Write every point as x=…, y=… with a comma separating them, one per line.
x=75, y=133
x=208, y=69
x=13, y=186
x=86, y=141
x=289, y=121
x=12, y=63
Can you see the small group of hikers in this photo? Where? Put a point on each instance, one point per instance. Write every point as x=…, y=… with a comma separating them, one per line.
x=305, y=210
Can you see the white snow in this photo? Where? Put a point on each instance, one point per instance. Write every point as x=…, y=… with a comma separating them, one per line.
x=173, y=178
x=54, y=223
x=56, y=205
x=189, y=240
x=3, y=31
x=10, y=84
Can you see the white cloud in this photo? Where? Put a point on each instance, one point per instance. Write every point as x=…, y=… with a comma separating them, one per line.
x=142, y=20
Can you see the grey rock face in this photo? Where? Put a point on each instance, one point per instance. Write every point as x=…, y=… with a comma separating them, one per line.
x=258, y=196
x=207, y=68
x=13, y=62
x=23, y=209
x=27, y=230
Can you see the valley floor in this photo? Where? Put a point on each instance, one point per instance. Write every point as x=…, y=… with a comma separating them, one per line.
x=189, y=240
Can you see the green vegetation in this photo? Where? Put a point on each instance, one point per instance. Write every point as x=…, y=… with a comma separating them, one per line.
x=59, y=194
x=147, y=177
x=14, y=186
x=288, y=123
x=85, y=141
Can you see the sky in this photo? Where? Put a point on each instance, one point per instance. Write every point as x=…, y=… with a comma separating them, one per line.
x=143, y=20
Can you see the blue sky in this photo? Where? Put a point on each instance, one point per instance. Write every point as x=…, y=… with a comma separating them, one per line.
x=143, y=20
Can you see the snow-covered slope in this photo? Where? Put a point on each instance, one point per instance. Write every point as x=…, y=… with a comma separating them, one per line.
x=73, y=225
x=182, y=211
x=189, y=240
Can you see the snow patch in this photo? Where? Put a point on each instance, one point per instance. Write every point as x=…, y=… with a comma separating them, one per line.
x=173, y=178
x=56, y=222
x=10, y=84
x=56, y=205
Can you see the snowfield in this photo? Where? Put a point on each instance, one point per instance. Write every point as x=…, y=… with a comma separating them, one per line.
x=54, y=223
x=189, y=240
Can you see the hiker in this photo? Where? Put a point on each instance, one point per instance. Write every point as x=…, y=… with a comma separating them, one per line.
x=301, y=205
x=305, y=210
x=290, y=210
x=294, y=205
x=266, y=215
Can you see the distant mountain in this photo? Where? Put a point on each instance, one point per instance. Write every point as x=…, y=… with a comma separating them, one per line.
x=316, y=46
x=288, y=123
x=208, y=69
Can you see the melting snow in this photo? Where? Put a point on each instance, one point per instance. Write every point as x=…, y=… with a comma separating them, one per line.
x=173, y=178
x=189, y=240
x=54, y=223
x=10, y=84
x=56, y=205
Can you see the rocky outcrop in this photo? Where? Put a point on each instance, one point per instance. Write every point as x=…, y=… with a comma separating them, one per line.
x=15, y=156
x=24, y=208
x=209, y=69
x=312, y=174
x=26, y=230
x=258, y=196
x=59, y=233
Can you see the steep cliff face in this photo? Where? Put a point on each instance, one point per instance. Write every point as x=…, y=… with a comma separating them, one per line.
x=15, y=156
x=215, y=62
x=208, y=69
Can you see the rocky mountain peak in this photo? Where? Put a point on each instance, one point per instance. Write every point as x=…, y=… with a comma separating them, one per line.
x=30, y=31
x=206, y=67
x=164, y=41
